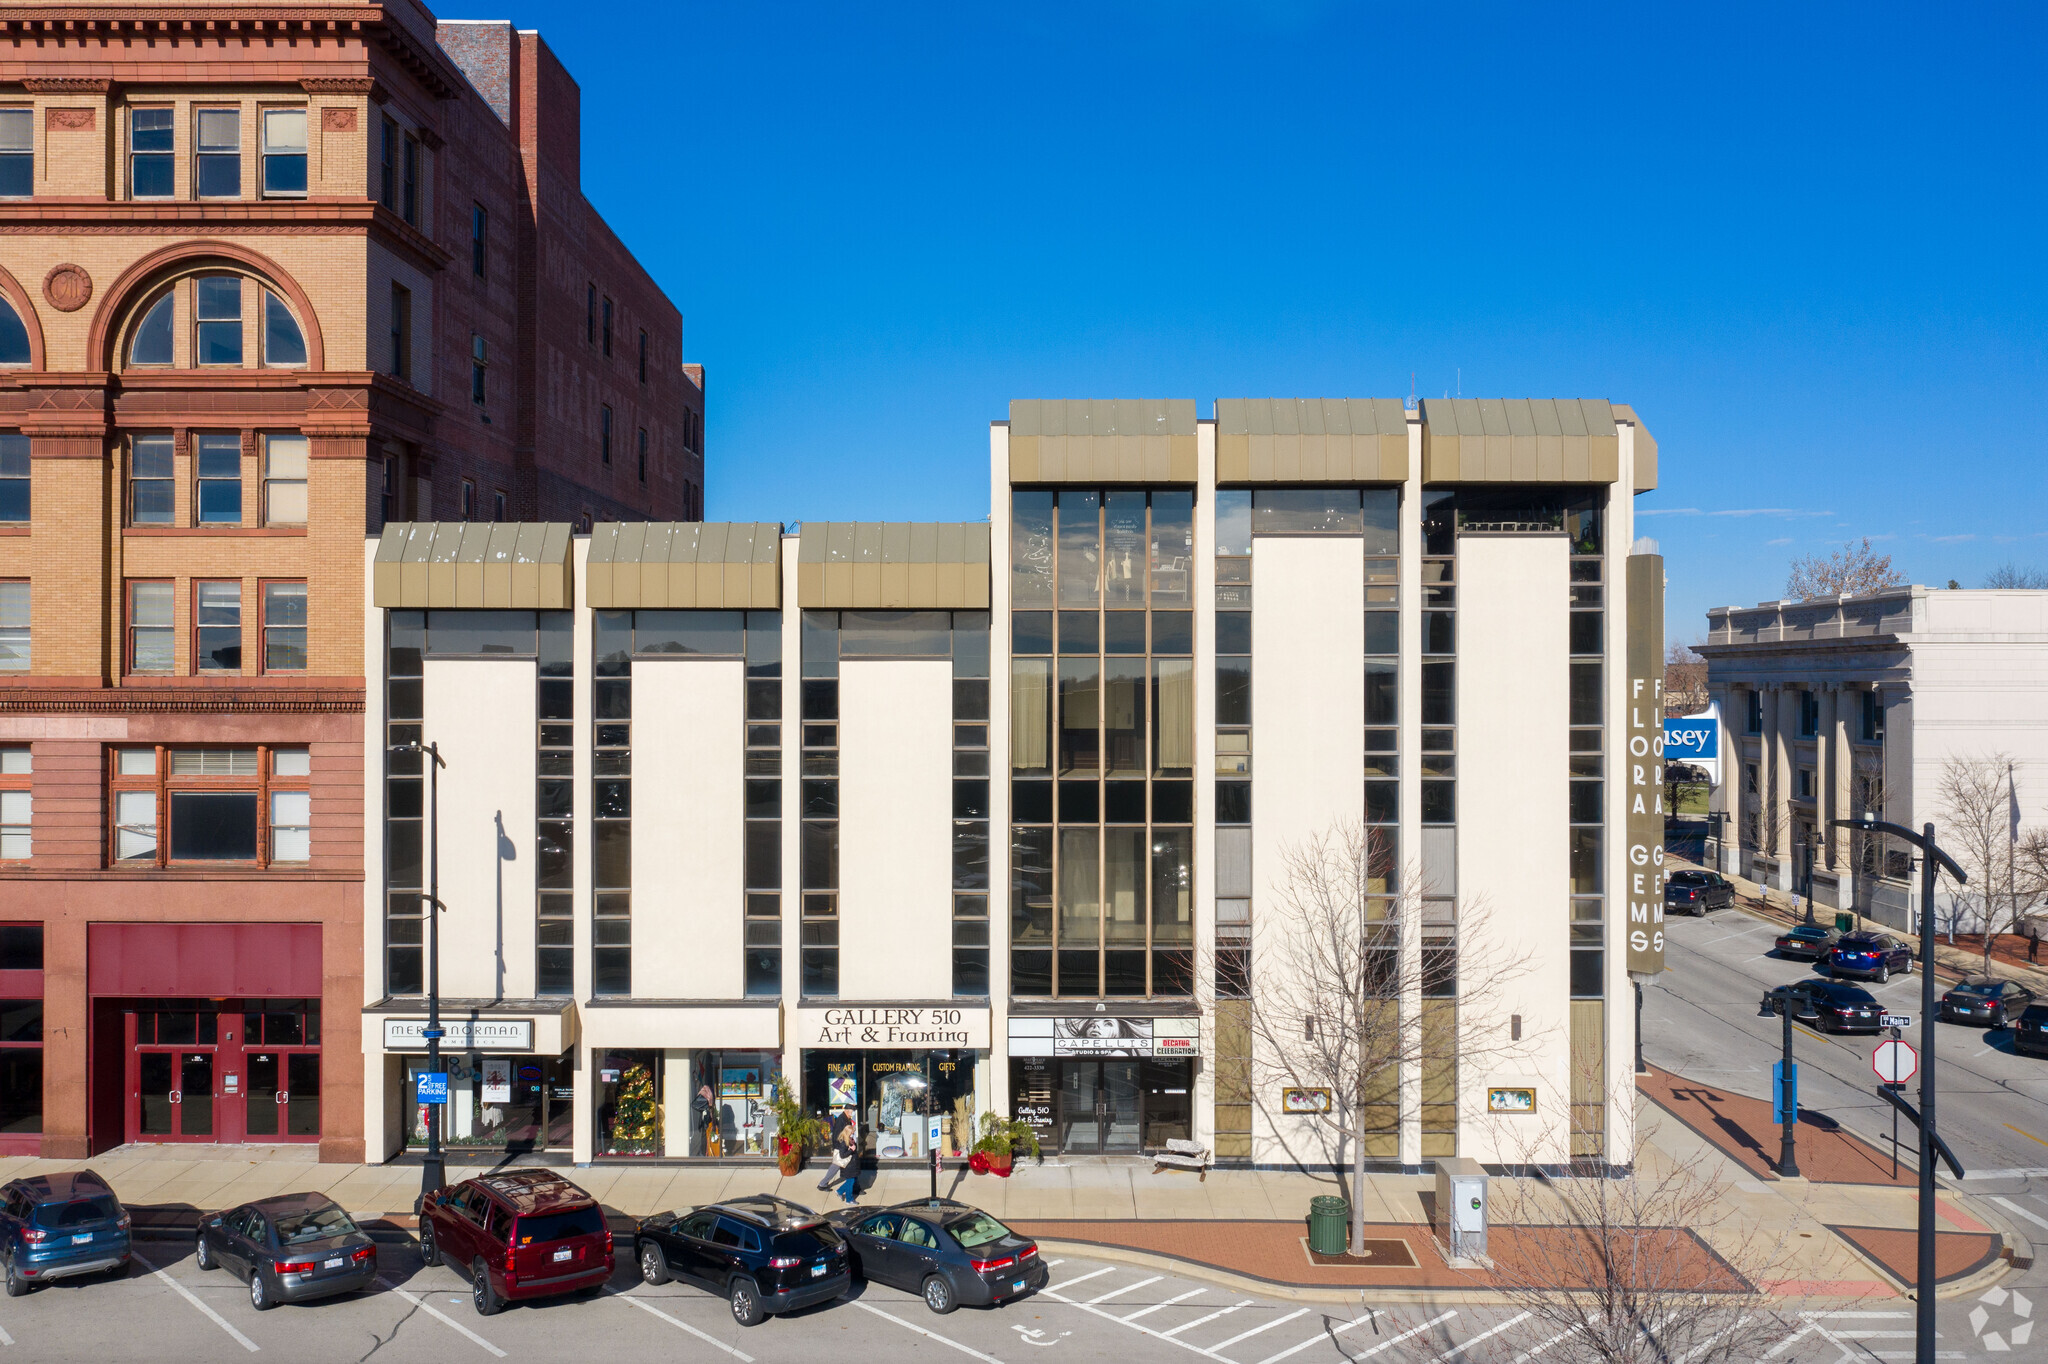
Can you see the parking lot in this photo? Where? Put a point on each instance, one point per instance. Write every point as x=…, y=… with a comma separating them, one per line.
x=1093, y=1311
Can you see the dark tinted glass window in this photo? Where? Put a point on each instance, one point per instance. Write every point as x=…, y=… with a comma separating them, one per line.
x=79, y=1212
x=539, y=1228
x=21, y=947
x=816, y=1240
x=213, y=826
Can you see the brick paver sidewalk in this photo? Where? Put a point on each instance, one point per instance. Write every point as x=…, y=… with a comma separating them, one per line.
x=1742, y=1128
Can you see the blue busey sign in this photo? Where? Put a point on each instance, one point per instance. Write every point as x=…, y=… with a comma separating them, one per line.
x=1692, y=739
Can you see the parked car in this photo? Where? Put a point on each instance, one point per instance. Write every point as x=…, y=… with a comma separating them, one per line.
x=291, y=1248
x=1870, y=954
x=1807, y=942
x=520, y=1234
x=1987, y=1000
x=2030, y=1032
x=1697, y=892
x=1830, y=1005
x=57, y=1226
x=764, y=1255
x=946, y=1252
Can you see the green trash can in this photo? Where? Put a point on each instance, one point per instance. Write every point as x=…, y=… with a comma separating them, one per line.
x=1329, y=1231
x=1845, y=923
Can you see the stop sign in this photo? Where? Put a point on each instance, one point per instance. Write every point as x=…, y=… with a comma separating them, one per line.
x=1895, y=1062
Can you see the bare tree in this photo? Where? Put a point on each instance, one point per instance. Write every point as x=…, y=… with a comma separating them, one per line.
x=1654, y=1263
x=2010, y=574
x=1330, y=1006
x=1974, y=802
x=1685, y=681
x=1852, y=568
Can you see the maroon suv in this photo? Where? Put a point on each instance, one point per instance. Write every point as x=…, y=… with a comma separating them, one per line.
x=520, y=1234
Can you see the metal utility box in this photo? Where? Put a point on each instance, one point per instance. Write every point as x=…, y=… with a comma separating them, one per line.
x=1461, y=1206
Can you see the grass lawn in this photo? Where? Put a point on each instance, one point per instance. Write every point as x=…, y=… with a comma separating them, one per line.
x=1692, y=800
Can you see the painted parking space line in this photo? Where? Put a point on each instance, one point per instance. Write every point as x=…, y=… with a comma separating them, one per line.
x=1148, y=1311
x=5, y=1339
x=1535, y=1350
x=681, y=1325
x=1084, y=1278
x=420, y=1302
x=1396, y=1340
x=928, y=1335
x=1330, y=1333
x=1263, y=1326
x=1142, y=1329
x=1127, y=1288
x=1465, y=1345
x=189, y=1296
x=1204, y=1321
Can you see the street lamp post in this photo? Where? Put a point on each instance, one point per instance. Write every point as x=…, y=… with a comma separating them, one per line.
x=1806, y=870
x=433, y=1170
x=1932, y=859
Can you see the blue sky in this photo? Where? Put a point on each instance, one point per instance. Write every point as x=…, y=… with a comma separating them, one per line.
x=1805, y=242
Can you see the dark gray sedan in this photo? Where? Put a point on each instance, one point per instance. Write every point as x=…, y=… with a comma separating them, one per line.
x=292, y=1248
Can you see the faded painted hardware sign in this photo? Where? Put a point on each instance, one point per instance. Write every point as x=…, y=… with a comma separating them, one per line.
x=894, y=1025
x=1643, y=821
x=461, y=1034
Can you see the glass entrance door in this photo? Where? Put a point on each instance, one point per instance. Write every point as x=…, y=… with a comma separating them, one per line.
x=284, y=1094
x=174, y=1095
x=1098, y=1107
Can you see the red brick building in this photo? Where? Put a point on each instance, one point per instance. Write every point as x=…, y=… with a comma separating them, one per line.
x=270, y=276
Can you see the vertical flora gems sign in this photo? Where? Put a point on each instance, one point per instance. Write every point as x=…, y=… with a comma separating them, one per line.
x=1644, y=765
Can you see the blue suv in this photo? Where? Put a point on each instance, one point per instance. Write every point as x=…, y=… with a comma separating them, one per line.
x=57, y=1226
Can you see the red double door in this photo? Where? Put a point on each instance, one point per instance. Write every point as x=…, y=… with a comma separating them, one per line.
x=217, y=1087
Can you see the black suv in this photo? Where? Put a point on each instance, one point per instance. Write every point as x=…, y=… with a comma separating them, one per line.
x=761, y=1253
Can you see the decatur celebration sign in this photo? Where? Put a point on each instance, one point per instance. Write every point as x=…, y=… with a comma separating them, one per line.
x=1644, y=821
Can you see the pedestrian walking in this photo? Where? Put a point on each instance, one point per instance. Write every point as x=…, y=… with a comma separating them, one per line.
x=2033, y=943
x=835, y=1172
x=849, y=1191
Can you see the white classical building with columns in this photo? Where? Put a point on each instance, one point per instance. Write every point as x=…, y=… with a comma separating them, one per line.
x=1840, y=707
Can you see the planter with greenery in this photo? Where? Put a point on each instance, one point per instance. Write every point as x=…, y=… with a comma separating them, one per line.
x=795, y=1131
x=1001, y=1139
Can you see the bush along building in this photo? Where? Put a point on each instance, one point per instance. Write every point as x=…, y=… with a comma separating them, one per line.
x=274, y=279
x=1040, y=815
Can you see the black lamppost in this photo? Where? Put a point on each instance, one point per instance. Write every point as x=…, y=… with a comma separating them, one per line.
x=433, y=1170
x=1806, y=869
x=1931, y=858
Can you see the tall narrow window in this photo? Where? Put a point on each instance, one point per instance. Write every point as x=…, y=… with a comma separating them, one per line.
x=284, y=480
x=479, y=240
x=14, y=349
x=604, y=432
x=387, y=167
x=17, y=805
x=152, y=646
x=291, y=805
x=401, y=331
x=14, y=476
x=218, y=496
x=590, y=315
x=405, y=808
x=612, y=817
x=479, y=364
x=17, y=153
x=643, y=454
x=135, y=811
x=643, y=357
x=283, y=343
x=152, y=483
x=217, y=627
x=152, y=156
x=607, y=327
x=284, y=153
x=498, y=505
x=970, y=803
x=217, y=162
x=388, y=496
x=284, y=627
x=412, y=180
x=555, y=808
x=218, y=301
x=819, y=856
x=763, y=855
x=14, y=636
x=152, y=343
x=469, y=499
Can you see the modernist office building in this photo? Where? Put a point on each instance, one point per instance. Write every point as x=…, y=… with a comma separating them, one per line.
x=1841, y=707
x=997, y=816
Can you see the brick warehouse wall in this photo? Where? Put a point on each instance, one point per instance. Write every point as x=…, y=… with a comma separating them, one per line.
x=82, y=259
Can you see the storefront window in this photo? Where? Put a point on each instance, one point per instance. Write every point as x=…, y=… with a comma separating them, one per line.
x=887, y=1092
x=729, y=1096
x=519, y=1103
x=629, y=1103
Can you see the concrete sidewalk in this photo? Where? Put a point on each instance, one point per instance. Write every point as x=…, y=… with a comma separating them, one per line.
x=1834, y=1241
